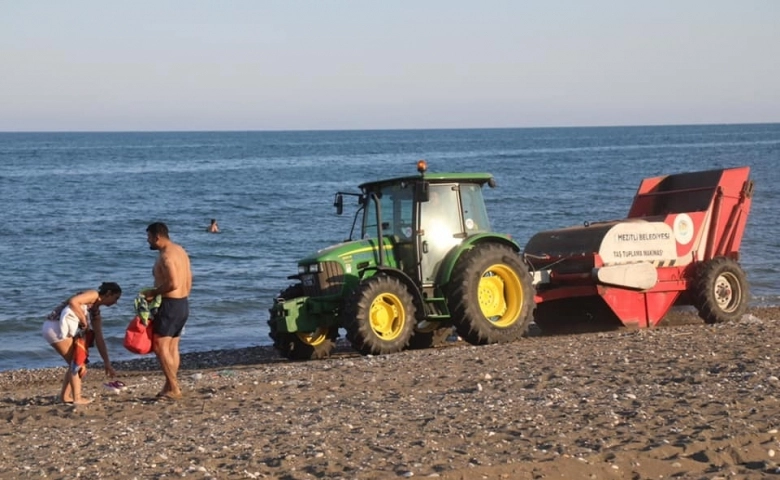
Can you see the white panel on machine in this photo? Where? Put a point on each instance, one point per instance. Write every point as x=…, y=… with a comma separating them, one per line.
x=638, y=241
x=640, y=276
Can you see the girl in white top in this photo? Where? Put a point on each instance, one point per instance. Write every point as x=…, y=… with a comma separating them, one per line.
x=80, y=312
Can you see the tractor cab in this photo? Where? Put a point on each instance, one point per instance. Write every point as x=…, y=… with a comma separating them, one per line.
x=420, y=259
x=424, y=216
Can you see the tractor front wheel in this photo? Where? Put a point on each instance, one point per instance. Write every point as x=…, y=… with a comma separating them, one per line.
x=299, y=345
x=380, y=316
x=721, y=291
x=491, y=296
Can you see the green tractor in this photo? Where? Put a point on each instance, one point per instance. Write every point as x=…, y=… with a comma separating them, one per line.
x=426, y=261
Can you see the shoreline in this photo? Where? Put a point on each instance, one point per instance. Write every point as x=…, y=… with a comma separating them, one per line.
x=676, y=316
x=686, y=400
x=223, y=357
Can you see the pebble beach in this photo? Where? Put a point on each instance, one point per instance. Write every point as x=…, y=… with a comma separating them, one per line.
x=684, y=400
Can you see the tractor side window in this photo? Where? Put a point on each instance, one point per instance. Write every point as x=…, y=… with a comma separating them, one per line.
x=370, y=219
x=475, y=217
x=402, y=205
x=396, y=204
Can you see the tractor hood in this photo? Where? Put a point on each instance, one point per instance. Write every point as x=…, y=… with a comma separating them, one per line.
x=353, y=256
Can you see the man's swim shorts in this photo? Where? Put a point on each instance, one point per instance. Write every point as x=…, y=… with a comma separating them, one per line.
x=171, y=317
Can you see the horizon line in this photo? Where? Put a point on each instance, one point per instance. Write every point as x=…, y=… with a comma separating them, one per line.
x=302, y=130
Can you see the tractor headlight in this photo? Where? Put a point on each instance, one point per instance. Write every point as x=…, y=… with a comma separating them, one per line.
x=313, y=268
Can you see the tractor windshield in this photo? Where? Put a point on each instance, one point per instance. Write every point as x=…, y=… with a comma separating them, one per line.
x=396, y=205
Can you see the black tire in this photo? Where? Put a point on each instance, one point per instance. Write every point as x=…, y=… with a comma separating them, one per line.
x=491, y=296
x=380, y=316
x=299, y=345
x=429, y=337
x=721, y=291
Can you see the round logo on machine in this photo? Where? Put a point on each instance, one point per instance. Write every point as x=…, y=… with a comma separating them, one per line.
x=683, y=229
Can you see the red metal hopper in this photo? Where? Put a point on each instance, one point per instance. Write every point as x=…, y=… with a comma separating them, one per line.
x=679, y=245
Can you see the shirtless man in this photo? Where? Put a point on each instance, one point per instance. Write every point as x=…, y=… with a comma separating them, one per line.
x=173, y=281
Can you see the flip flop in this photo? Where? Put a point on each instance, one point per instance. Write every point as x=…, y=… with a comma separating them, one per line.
x=111, y=388
x=114, y=387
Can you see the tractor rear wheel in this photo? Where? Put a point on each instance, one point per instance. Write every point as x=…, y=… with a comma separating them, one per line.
x=380, y=316
x=721, y=291
x=491, y=296
x=300, y=345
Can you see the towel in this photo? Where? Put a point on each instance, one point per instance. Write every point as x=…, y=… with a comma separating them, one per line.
x=145, y=309
x=81, y=343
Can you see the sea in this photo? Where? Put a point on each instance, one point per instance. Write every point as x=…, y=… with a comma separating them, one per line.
x=74, y=208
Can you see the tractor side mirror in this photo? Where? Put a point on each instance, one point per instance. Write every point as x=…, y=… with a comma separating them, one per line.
x=338, y=202
x=422, y=192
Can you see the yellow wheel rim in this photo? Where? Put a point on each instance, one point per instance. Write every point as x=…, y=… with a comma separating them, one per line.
x=500, y=295
x=314, y=338
x=387, y=316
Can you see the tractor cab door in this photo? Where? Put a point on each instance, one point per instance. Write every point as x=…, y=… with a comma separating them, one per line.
x=440, y=228
x=395, y=209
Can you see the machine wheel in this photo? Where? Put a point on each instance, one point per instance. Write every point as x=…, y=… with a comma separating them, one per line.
x=721, y=291
x=491, y=295
x=432, y=336
x=380, y=316
x=300, y=345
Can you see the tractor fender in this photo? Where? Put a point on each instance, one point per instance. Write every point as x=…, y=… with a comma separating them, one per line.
x=404, y=278
x=451, y=259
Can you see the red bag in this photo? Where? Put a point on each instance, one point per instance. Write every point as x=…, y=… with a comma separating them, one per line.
x=138, y=337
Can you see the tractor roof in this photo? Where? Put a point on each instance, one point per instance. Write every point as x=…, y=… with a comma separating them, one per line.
x=480, y=178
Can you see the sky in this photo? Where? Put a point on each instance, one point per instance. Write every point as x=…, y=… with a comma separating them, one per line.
x=381, y=64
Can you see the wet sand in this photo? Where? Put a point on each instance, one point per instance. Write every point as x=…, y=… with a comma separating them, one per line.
x=686, y=400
